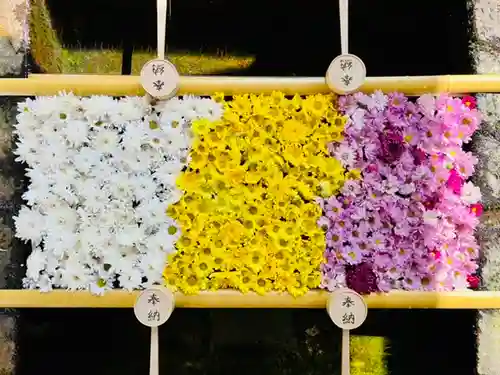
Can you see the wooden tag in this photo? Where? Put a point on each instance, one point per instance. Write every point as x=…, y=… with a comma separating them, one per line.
x=347, y=309
x=346, y=74
x=154, y=306
x=160, y=78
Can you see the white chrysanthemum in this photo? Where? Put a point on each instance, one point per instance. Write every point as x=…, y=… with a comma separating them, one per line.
x=134, y=137
x=105, y=140
x=102, y=174
x=49, y=107
x=30, y=225
x=77, y=134
x=99, y=109
x=74, y=274
x=470, y=193
x=36, y=263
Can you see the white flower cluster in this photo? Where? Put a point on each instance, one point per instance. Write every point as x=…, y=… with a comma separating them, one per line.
x=102, y=174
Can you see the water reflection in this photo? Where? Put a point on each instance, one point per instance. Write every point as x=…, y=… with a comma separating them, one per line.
x=286, y=37
x=219, y=342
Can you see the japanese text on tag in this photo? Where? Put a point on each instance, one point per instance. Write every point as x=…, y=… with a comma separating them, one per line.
x=346, y=65
x=346, y=79
x=158, y=69
x=158, y=85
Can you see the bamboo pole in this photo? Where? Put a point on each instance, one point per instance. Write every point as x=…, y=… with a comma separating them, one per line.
x=116, y=85
x=3, y=32
x=234, y=299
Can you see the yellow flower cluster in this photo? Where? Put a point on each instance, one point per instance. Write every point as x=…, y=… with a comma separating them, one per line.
x=248, y=214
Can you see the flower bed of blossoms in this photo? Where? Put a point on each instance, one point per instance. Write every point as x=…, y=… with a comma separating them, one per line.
x=256, y=193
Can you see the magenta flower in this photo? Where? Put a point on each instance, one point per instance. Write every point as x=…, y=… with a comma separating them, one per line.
x=473, y=281
x=476, y=209
x=419, y=156
x=361, y=278
x=469, y=101
x=392, y=146
x=455, y=182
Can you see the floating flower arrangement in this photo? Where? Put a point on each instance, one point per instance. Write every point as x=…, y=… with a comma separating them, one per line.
x=254, y=193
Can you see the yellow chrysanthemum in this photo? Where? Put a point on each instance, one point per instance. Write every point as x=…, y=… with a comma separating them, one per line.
x=248, y=214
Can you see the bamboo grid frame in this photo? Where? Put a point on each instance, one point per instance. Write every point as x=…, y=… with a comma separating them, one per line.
x=40, y=85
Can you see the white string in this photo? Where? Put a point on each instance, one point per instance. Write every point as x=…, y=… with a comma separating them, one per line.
x=154, y=358
x=344, y=26
x=346, y=353
x=161, y=13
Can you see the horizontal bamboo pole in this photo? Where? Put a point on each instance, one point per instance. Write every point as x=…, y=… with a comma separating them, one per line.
x=3, y=32
x=233, y=299
x=116, y=85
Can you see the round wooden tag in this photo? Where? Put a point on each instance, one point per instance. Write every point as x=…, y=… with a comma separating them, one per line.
x=347, y=309
x=346, y=74
x=160, y=78
x=154, y=306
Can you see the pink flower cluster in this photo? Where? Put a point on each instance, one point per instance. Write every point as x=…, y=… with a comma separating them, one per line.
x=409, y=222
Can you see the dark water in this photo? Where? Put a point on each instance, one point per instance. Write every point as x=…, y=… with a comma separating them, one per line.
x=235, y=341
x=288, y=37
